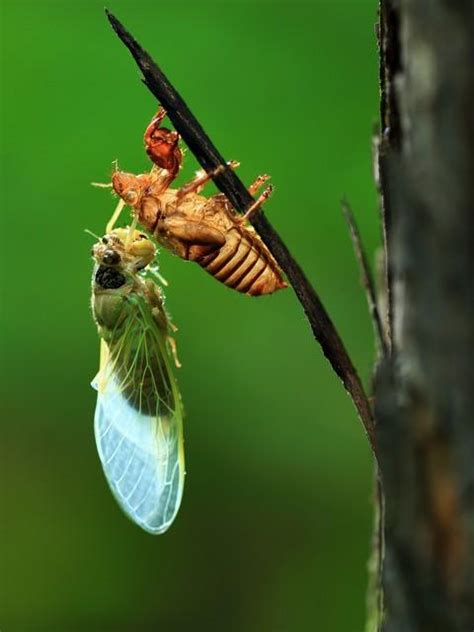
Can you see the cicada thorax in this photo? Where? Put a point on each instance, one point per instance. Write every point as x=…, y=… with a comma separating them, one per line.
x=110, y=313
x=110, y=304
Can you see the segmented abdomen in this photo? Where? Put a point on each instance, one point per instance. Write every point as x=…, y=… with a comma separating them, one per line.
x=245, y=264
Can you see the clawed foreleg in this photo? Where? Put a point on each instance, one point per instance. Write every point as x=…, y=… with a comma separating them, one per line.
x=260, y=181
x=202, y=178
x=174, y=350
x=161, y=145
x=253, y=208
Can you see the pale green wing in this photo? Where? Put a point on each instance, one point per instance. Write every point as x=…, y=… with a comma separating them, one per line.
x=138, y=424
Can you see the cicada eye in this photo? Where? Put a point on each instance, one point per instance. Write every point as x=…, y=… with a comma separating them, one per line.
x=130, y=197
x=111, y=258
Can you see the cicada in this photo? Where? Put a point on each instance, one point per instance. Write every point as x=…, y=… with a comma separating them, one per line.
x=139, y=416
x=194, y=227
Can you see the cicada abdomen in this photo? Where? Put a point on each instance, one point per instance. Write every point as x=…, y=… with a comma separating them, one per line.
x=138, y=418
x=242, y=261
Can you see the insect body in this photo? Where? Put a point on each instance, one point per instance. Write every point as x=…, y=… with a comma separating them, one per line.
x=205, y=230
x=138, y=418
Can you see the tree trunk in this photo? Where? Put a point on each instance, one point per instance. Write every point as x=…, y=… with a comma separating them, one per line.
x=424, y=390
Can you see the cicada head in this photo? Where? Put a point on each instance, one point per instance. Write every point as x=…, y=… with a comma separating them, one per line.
x=125, y=251
x=130, y=187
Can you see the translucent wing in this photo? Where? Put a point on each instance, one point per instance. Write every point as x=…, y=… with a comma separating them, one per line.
x=138, y=423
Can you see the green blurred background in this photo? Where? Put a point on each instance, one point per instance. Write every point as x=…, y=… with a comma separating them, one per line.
x=274, y=529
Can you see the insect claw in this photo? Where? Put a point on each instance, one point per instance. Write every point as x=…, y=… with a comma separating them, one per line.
x=254, y=187
x=160, y=115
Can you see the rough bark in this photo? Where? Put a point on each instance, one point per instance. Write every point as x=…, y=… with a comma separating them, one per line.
x=424, y=391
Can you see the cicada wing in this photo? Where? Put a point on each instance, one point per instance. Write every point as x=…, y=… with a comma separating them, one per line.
x=141, y=453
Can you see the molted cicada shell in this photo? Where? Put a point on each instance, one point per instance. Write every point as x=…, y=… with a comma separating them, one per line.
x=206, y=230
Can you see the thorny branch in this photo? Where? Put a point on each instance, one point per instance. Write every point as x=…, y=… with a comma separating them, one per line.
x=229, y=183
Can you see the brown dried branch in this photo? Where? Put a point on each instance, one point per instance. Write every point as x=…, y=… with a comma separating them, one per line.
x=228, y=182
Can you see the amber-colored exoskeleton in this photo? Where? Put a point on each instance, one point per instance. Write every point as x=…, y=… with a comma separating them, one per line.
x=196, y=228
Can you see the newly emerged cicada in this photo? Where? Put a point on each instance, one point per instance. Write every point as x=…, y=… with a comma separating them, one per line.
x=139, y=416
x=196, y=228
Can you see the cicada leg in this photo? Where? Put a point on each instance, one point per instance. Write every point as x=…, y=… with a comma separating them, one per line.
x=260, y=181
x=172, y=326
x=253, y=208
x=131, y=229
x=154, y=125
x=221, y=199
x=202, y=178
x=159, y=277
x=157, y=119
x=114, y=217
x=174, y=351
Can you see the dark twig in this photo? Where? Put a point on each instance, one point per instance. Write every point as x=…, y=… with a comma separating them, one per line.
x=390, y=134
x=366, y=275
x=229, y=183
